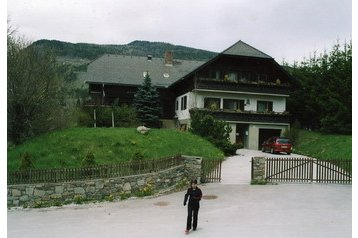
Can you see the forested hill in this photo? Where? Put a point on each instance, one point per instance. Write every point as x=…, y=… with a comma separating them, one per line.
x=137, y=48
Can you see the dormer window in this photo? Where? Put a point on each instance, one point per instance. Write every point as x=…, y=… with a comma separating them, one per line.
x=145, y=74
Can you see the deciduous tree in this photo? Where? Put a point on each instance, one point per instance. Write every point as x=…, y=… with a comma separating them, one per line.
x=35, y=92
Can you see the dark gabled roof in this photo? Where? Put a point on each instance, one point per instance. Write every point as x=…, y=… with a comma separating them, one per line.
x=128, y=70
x=240, y=48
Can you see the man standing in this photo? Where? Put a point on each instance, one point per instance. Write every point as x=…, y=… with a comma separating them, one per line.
x=194, y=194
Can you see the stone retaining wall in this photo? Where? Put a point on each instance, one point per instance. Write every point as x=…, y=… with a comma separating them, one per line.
x=109, y=188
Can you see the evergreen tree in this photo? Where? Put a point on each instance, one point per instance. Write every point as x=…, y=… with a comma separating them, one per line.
x=147, y=104
x=322, y=97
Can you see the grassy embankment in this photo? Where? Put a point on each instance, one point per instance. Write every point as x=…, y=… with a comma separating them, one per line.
x=324, y=146
x=67, y=148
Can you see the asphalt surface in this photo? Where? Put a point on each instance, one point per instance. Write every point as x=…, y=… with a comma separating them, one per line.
x=232, y=208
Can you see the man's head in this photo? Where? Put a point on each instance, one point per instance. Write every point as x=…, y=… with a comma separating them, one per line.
x=194, y=183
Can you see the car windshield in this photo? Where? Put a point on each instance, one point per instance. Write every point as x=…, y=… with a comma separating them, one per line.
x=283, y=141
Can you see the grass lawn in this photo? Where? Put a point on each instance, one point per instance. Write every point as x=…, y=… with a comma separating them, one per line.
x=67, y=148
x=324, y=146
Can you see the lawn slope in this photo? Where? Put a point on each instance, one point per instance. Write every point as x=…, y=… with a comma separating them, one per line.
x=67, y=148
x=324, y=146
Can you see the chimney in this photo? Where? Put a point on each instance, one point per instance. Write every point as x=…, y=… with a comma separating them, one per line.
x=168, y=58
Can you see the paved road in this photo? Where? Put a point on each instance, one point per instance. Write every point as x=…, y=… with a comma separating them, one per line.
x=231, y=209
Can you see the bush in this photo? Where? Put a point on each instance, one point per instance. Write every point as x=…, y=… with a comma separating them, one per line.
x=104, y=116
x=124, y=195
x=293, y=132
x=216, y=131
x=147, y=190
x=205, y=125
x=78, y=199
x=124, y=116
x=89, y=160
x=26, y=162
x=137, y=156
x=228, y=148
x=84, y=118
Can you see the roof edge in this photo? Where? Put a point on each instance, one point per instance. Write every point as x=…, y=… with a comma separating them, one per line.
x=240, y=41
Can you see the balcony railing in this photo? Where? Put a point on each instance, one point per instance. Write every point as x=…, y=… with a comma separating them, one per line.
x=250, y=87
x=247, y=116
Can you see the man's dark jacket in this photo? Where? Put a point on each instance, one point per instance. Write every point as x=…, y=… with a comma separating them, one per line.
x=194, y=196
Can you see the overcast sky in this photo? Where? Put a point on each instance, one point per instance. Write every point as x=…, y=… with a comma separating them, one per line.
x=284, y=29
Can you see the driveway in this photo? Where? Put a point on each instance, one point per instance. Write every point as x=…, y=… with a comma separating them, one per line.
x=232, y=208
x=237, y=169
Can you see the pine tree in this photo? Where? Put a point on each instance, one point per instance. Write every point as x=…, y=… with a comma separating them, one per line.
x=147, y=104
x=322, y=97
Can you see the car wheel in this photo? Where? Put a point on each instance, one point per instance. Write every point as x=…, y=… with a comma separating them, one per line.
x=272, y=151
x=288, y=153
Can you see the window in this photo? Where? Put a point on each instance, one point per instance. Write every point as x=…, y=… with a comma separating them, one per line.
x=230, y=76
x=234, y=104
x=262, y=77
x=215, y=74
x=212, y=103
x=244, y=76
x=264, y=106
x=183, y=103
x=233, y=76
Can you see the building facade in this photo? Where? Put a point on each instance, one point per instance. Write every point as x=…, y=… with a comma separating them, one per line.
x=241, y=85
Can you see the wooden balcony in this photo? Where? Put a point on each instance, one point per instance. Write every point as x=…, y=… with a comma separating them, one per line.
x=249, y=87
x=247, y=116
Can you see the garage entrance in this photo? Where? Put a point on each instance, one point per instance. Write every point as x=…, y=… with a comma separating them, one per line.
x=264, y=134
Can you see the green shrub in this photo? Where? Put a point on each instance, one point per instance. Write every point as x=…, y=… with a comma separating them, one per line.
x=26, y=161
x=89, y=160
x=124, y=116
x=137, y=156
x=216, y=131
x=228, y=148
x=293, y=132
x=104, y=116
x=78, y=199
x=147, y=190
x=124, y=195
x=109, y=198
x=258, y=182
x=85, y=118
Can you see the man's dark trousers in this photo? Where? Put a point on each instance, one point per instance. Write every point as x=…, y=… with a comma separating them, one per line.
x=192, y=213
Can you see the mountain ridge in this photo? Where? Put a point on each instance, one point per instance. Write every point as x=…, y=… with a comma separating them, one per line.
x=92, y=51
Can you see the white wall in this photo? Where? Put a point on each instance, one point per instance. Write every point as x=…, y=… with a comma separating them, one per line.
x=278, y=102
x=184, y=114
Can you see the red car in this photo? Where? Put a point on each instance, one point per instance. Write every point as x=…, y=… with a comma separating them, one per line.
x=277, y=144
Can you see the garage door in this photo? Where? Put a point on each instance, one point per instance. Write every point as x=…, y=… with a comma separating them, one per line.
x=264, y=134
